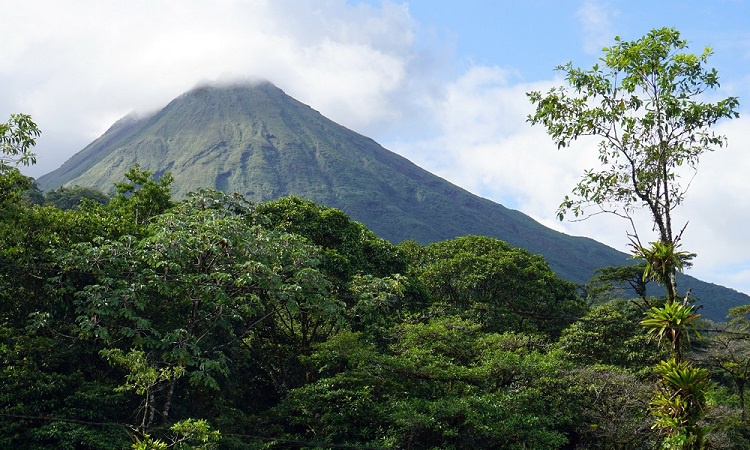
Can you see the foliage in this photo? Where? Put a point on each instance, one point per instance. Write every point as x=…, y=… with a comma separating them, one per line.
x=54, y=394
x=143, y=378
x=662, y=263
x=200, y=280
x=606, y=335
x=729, y=352
x=611, y=406
x=350, y=248
x=442, y=384
x=187, y=434
x=644, y=103
x=680, y=404
x=662, y=260
x=609, y=280
x=502, y=287
x=49, y=376
x=17, y=137
x=71, y=198
x=672, y=321
x=215, y=322
x=739, y=320
x=141, y=197
x=12, y=185
x=364, y=270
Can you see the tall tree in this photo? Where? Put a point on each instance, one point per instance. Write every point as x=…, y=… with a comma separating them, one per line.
x=180, y=300
x=51, y=385
x=645, y=102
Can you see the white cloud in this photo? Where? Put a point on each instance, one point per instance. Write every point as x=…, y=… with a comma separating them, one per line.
x=718, y=209
x=486, y=145
x=596, y=25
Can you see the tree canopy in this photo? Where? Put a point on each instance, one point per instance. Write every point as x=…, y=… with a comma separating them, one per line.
x=17, y=137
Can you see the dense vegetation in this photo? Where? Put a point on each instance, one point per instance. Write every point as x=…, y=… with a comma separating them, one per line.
x=215, y=322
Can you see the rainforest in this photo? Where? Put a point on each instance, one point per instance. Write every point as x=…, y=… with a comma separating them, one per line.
x=214, y=322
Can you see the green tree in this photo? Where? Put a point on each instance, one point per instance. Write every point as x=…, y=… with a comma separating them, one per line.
x=609, y=281
x=350, y=248
x=141, y=197
x=33, y=194
x=180, y=294
x=730, y=352
x=144, y=378
x=502, y=287
x=14, y=185
x=611, y=408
x=441, y=384
x=71, y=198
x=645, y=102
x=680, y=404
x=606, y=335
x=17, y=137
x=672, y=323
x=202, y=289
x=201, y=312
x=365, y=271
x=49, y=375
x=186, y=434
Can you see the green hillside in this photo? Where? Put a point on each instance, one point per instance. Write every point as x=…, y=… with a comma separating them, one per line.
x=259, y=142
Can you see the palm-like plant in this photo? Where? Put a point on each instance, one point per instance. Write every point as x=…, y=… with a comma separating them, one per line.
x=680, y=403
x=663, y=261
x=673, y=321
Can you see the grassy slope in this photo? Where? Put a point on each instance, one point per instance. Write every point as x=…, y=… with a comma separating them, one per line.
x=259, y=142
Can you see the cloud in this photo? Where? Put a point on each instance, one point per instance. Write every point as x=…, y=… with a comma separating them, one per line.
x=486, y=145
x=718, y=209
x=595, y=19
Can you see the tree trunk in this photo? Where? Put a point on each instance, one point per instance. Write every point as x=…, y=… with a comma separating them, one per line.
x=741, y=389
x=168, y=399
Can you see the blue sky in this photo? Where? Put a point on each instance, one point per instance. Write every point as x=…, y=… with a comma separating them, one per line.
x=440, y=82
x=536, y=35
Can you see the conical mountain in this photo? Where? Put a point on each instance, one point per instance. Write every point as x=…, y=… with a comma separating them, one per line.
x=257, y=141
